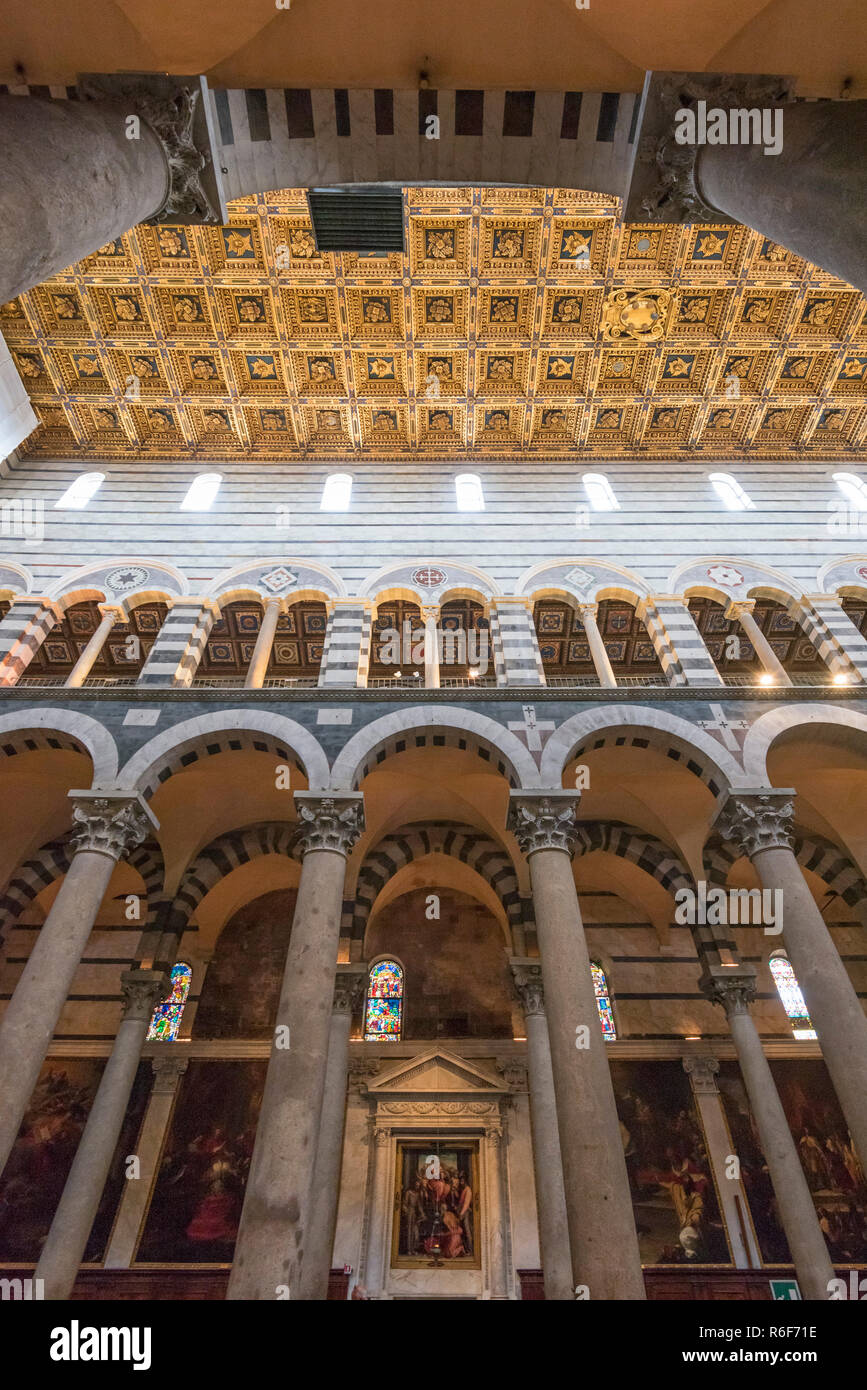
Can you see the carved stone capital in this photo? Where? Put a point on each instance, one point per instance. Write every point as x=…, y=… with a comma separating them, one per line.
x=494, y=1135
x=109, y=822
x=328, y=822
x=381, y=1137
x=702, y=1072
x=168, y=1069
x=430, y=612
x=361, y=1069
x=514, y=1074
x=544, y=820
x=349, y=983
x=757, y=820
x=738, y=607
x=527, y=975
x=142, y=990
x=733, y=989
x=664, y=185
x=177, y=110
x=588, y=611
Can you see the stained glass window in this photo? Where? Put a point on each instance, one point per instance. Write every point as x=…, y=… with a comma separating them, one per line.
x=382, y=1017
x=603, y=1002
x=166, y=1018
x=792, y=999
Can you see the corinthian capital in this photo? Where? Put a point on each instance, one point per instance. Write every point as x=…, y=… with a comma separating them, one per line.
x=527, y=975
x=733, y=989
x=142, y=990
x=110, y=822
x=328, y=822
x=349, y=985
x=757, y=820
x=544, y=820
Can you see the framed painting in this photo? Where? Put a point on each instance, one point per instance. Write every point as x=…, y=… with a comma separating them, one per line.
x=437, y=1211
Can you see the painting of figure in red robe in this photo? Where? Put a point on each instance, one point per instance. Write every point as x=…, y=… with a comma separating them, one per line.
x=437, y=1206
x=199, y=1191
x=677, y=1214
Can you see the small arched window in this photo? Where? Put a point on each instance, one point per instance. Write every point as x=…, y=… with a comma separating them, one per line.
x=853, y=488
x=603, y=1002
x=201, y=492
x=791, y=997
x=729, y=490
x=383, y=1014
x=166, y=1017
x=469, y=492
x=79, y=493
x=336, y=493
x=600, y=493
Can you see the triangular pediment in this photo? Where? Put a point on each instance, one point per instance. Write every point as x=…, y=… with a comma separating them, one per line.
x=438, y=1071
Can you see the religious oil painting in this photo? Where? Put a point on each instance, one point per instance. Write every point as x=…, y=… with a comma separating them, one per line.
x=436, y=1205
x=677, y=1214
x=197, y=1197
x=833, y=1171
x=39, y=1164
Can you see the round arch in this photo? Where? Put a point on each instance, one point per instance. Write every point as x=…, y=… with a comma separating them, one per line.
x=15, y=580
x=283, y=578
x=128, y=580
x=730, y=576
x=763, y=734
x=60, y=728
x=696, y=750
x=457, y=577
x=217, y=733
x=454, y=727
x=585, y=580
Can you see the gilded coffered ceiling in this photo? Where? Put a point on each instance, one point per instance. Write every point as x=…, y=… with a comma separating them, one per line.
x=520, y=321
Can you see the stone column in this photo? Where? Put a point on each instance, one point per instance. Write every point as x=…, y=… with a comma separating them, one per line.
x=603, y=1242
x=430, y=616
x=272, y=608
x=603, y=666
x=85, y=663
x=274, y=1222
x=108, y=824
x=760, y=823
x=380, y=1208
x=498, y=1243
x=814, y=163
x=168, y=1068
x=702, y=1071
x=349, y=987
x=547, y=1164
x=742, y=611
x=67, y=1238
x=78, y=174
x=734, y=990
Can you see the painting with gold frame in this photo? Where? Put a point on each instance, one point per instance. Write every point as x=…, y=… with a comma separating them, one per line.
x=437, y=1212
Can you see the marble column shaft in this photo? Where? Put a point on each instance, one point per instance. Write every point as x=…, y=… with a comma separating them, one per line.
x=67, y=1239
x=742, y=611
x=760, y=822
x=348, y=992
x=430, y=617
x=547, y=1162
x=498, y=1277
x=380, y=1207
x=273, y=1228
x=602, y=1234
x=107, y=825
x=255, y=677
x=86, y=662
x=598, y=651
x=795, y=1205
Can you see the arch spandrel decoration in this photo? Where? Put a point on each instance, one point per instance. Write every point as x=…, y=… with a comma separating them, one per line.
x=584, y=579
x=850, y=573
x=721, y=576
x=14, y=579
x=279, y=578
x=429, y=581
x=123, y=579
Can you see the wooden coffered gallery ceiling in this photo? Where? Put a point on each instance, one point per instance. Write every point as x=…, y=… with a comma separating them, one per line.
x=520, y=321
